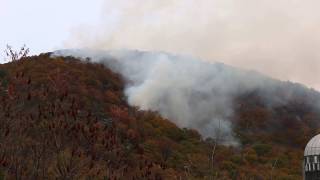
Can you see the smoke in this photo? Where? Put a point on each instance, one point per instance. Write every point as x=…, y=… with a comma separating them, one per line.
x=275, y=37
x=190, y=92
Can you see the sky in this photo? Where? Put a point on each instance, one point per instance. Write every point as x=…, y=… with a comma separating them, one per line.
x=275, y=37
x=43, y=25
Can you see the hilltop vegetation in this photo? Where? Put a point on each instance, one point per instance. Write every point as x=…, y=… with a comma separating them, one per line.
x=62, y=118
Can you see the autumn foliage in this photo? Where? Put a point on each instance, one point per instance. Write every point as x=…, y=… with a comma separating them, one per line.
x=62, y=118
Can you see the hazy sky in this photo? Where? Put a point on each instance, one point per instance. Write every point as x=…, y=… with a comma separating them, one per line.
x=276, y=37
x=44, y=24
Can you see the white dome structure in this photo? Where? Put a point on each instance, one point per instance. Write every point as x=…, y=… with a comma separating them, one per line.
x=311, y=163
x=313, y=146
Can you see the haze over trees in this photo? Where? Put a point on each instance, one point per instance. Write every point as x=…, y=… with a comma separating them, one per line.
x=62, y=118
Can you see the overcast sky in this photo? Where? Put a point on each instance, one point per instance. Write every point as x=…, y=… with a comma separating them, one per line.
x=43, y=25
x=276, y=37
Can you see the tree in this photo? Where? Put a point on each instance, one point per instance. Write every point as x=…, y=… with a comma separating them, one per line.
x=14, y=55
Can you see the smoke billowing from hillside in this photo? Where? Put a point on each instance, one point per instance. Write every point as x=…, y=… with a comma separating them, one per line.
x=275, y=37
x=190, y=92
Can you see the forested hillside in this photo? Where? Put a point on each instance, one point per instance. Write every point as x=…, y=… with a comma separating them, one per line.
x=62, y=118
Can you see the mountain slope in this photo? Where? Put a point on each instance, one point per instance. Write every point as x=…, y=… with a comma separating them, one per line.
x=63, y=118
x=204, y=96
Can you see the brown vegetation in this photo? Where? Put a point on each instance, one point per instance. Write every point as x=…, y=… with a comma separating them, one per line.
x=65, y=119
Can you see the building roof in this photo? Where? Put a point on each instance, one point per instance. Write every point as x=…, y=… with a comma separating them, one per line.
x=313, y=146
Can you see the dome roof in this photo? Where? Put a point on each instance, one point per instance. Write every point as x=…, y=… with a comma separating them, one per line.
x=313, y=146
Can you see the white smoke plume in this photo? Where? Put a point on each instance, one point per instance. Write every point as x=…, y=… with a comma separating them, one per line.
x=273, y=37
x=276, y=37
x=190, y=92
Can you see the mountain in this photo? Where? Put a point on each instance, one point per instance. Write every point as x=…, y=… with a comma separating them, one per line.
x=66, y=117
x=196, y=94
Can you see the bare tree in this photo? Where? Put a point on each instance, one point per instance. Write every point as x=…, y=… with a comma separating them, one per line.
x=214, y=149
x=14, y=55
x=273, y=167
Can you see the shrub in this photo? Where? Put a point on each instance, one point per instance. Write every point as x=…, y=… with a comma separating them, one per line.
x=262, y=149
